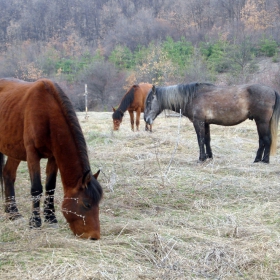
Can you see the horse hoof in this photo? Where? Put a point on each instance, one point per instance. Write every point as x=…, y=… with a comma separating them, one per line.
x=48, y=225
x=50, y=219
x=20, y=221
x=35, y=222
x=13, y=216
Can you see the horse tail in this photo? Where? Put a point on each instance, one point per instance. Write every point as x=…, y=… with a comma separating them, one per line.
x=274, y=124
x=2, y=158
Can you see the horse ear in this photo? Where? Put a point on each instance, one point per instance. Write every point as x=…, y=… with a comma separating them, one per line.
x=87, y=177
x=154, y=89
x=114, y=110
x=96, y=174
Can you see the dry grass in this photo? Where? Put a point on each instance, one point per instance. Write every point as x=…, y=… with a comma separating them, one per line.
x=164, y=215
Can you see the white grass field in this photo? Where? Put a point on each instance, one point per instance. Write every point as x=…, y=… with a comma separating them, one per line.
x=163, y=215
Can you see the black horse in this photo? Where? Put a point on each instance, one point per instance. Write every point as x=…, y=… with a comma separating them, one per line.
x=206, y=104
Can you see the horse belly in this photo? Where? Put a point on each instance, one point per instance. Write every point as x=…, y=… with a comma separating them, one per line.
x=11, y=142
x=225, y=116
x=12, y=151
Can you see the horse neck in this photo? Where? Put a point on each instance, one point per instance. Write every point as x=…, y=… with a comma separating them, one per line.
x=173, y=101
x=127, y=100
x=68, y=144
x=72, y=165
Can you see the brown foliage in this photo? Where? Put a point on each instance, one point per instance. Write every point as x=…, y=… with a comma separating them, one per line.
x=256, y=16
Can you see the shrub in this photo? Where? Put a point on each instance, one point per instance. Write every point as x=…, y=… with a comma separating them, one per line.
x=122, y=57
x=178, y=52
x=268, y=47
x=216, y=55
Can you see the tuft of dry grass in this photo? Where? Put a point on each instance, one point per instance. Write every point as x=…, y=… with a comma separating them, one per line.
x=164, y=215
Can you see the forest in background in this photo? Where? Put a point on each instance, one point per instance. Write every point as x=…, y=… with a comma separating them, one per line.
x=111, y=44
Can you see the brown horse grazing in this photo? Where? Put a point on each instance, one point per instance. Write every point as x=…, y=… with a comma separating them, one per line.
x=133, y=100
x=37, y=120
x=206, y=104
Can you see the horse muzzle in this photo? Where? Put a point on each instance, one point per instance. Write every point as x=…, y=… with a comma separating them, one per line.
x=148, y=120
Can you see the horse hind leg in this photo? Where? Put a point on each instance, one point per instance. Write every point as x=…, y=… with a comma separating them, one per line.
x=49, y=210
x=259, y=151
x=138, y=114
x=9, y=176
x=267, y=145
x=264, y=142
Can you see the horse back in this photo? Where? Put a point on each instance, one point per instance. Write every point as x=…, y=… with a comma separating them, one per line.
x=25, y=116
x=232, y=104
x=140, y=93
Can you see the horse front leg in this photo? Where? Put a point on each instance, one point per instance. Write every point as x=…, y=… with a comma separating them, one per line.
x=200, y=132
x=207, y=141
x=131, y=119
x=33, y=162
x=9, y=176
x=49, y=210
x=147, y=127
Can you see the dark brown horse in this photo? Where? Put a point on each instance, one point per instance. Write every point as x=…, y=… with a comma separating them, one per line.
x=133, y=100
x=37, y=120
x=206, y=104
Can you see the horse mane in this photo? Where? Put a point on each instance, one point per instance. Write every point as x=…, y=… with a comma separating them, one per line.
x=72, y=120
x=126, y=101
x=178, y=96
x=94, y=191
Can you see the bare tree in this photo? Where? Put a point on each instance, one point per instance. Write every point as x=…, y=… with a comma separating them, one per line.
x=105, y=85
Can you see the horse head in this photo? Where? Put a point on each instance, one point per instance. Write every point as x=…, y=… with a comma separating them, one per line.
x=152, y=108
x=80, y=207
x=117, y=118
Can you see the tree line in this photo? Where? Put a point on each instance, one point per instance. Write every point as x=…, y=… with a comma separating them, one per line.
x=111, y=44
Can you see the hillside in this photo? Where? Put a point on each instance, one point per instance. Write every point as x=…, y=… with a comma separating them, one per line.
x=110, y=45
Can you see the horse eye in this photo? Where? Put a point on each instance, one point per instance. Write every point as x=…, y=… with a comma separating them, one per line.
x=87, y=205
